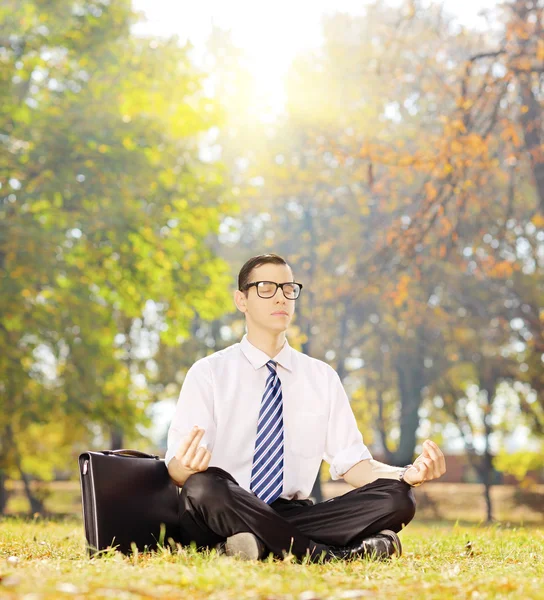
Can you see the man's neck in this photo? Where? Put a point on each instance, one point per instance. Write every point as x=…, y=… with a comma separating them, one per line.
x=269, y=343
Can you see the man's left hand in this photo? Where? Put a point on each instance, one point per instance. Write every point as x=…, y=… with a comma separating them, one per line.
x=430, y=464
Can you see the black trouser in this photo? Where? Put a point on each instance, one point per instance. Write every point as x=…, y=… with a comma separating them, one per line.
x=213, y=507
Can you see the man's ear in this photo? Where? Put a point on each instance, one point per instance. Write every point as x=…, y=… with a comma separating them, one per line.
x=240, y=300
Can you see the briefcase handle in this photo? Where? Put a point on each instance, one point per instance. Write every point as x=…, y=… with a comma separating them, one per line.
x=128, y=452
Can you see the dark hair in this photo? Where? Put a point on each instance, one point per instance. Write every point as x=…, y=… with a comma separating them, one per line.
x=252, y=263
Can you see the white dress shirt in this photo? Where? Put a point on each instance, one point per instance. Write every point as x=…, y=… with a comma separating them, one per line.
x=222, y=394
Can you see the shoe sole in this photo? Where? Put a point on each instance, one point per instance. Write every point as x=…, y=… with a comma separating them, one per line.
x=243, y=545
x=395, y=539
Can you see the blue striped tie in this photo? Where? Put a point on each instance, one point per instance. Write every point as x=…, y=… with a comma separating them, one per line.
x=267, y=471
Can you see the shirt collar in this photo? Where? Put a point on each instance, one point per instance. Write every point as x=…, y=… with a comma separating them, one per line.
x=258, y=358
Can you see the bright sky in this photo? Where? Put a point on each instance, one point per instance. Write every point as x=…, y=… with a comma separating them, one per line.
x=272, y=33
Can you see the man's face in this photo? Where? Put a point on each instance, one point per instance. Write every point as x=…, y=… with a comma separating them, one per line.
x=272, y=314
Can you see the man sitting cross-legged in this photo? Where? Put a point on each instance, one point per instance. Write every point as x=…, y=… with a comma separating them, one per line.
x=252, y=424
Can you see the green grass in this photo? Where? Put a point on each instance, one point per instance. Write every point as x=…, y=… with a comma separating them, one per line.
x=48, y=561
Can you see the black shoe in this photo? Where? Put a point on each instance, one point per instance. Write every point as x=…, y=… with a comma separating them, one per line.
x=381, y=546
x=243, y=545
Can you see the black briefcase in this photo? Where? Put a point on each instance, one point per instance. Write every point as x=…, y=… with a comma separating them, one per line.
x=128, y=498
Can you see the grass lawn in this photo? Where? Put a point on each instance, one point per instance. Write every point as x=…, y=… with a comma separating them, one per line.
x=46, y=559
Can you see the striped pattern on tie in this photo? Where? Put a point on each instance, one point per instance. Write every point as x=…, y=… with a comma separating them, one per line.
x=267, y=471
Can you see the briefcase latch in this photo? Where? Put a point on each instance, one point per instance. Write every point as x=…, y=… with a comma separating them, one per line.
x=85, y=467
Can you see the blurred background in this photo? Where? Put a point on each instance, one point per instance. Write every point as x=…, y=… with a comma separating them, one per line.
x=392, y=151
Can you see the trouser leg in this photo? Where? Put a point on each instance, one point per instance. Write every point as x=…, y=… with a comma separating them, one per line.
x=213, y=507
x=347, y=519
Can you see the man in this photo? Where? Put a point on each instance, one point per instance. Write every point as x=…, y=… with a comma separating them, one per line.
x=252, y=424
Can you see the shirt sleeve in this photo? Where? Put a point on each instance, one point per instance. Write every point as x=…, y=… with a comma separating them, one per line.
x=194, y=407
x=344, y=445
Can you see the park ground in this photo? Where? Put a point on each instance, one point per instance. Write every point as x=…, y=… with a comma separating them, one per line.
x=42, y=558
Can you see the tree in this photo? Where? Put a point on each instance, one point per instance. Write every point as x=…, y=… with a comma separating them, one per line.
x=105, y=219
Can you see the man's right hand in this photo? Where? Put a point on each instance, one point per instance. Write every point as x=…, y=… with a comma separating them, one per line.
x=191, y=457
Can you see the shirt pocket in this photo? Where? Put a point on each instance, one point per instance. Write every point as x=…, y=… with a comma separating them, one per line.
x=307, y=433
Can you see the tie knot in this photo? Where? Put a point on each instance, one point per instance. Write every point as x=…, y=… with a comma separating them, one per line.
x=271, y=366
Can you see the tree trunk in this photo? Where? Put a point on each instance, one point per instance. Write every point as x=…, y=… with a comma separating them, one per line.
x=489, y=380
x=486, y=475
x=488, y=503
x=410, y=371
x=342, y=346
x=36, y=505
x=3, y=493
x=381, y=427
x=116, y=438
x=308, y=305
x=532, y=126
x=531, y=114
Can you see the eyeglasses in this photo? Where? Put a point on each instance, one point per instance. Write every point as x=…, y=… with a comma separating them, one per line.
x=268, y=289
